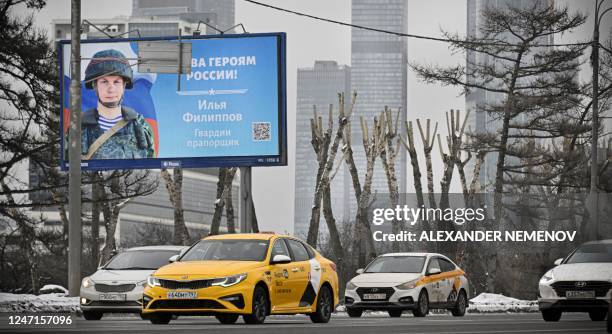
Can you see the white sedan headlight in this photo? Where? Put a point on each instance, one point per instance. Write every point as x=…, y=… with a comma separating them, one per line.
x=408, y=285
x=87, y=282
x=229, y=280
x=351, y=286
x=547, y=277
x=153, y=281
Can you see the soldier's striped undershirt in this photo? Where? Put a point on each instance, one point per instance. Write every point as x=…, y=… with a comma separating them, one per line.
x=107, y=123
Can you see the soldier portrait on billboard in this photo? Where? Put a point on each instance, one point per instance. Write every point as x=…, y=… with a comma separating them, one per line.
x=112, y=130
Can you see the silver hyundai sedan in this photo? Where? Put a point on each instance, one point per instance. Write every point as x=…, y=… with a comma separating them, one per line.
x=117, y=286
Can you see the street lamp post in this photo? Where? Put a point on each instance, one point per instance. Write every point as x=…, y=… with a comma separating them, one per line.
x=593, y=231
x=74, y=154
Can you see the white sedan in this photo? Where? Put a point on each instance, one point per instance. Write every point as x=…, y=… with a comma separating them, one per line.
x=117, y=286
x=408, y=281
x=581, y=282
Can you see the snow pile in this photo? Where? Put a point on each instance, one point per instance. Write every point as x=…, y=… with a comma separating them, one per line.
x=52, y=302
x=494, y=303
x=52, y=288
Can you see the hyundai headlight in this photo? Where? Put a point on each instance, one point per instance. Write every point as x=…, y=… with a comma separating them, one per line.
x=351, y=286
x=547, y=277
x=153, y=281
x=87, y=282
x=408, y=285
x=229, y=280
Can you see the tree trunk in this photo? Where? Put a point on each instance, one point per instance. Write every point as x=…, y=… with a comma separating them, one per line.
x=229, y=205
x=174, y=185
x=95, y=220
x=334, y=235
x=219, y=203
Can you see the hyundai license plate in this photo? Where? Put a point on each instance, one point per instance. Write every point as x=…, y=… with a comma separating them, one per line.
x=112, y=296
x=580, y=294
x=374, y=296
x=182, y=295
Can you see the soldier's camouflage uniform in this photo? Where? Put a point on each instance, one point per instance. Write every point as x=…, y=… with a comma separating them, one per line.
x=133, y=141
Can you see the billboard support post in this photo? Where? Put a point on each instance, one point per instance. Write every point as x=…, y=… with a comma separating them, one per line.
x=246, y=201
x=74, y=153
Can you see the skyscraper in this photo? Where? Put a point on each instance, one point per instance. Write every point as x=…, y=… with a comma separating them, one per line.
x=218, y=13
x=317, y=86
x=379, y=75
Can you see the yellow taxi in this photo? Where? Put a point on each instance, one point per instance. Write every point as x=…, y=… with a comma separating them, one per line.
x=253, y=275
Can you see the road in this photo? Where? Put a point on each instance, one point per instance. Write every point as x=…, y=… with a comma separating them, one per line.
x=471, y=323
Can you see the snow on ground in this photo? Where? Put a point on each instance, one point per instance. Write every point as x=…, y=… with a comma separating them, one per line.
x=494, y=303
x=58, y=302
x=52, y=302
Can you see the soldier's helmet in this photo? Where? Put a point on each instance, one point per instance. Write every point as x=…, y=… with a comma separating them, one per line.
x=108, y=62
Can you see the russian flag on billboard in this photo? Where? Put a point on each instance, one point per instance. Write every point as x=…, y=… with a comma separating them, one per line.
x=138, y=98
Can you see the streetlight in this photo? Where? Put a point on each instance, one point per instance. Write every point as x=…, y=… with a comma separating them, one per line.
x=593, y=191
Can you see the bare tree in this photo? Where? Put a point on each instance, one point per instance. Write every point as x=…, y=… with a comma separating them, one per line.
x=223, y=199
x=428, y=144
x=388, y=155
x=326, y=156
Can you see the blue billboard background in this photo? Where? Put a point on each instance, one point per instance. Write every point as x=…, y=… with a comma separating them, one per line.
x=230, y=109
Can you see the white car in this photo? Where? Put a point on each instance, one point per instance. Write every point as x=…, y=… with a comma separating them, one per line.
x=580, y=282
x=117, y=286
x=408, y=281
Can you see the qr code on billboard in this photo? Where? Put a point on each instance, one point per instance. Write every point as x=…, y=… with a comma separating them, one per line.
x=261, y=131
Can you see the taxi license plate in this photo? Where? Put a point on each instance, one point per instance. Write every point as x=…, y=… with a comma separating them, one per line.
x=182, y=295
x=580, y=294
x=374, y=296
x=113, y=296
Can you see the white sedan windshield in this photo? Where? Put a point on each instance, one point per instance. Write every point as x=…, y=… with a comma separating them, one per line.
x=594, y=253
x=396, y=264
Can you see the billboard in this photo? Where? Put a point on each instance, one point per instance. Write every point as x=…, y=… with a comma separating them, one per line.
x=227, y=107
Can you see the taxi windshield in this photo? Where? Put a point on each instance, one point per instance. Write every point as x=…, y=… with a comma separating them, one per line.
x=227, y=250
x=396, y=264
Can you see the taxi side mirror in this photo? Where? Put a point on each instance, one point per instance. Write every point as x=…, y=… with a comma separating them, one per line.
x=359, y=271
x=277, y=259
x=173, y=258
x=433, y=271
x=558, y=261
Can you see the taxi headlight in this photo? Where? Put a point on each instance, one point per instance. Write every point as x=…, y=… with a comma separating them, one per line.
x=229, y=280
x=87, y=282
x=547, y=277
x=351, y=286
x=408, y=285
x=153, y=281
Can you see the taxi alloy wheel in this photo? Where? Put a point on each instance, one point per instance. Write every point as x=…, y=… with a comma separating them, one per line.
x=460, y=306
x=324, y=307
x=423, y=305
x=260, y=307
x=227, y=318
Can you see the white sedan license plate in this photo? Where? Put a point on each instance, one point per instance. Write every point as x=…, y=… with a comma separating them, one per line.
x=112, y=296
x=580, y=294
x=182, y=295
x=374, y=296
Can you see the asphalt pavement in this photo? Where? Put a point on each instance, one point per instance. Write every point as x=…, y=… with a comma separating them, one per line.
x=340, y=323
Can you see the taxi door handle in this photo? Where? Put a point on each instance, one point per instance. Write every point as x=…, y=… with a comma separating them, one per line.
x=295, y=270
x=317, y=268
